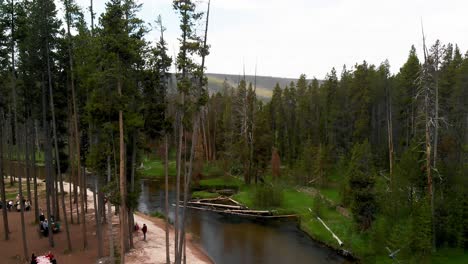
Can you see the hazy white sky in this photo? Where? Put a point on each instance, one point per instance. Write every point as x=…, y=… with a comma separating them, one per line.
x=290, y=37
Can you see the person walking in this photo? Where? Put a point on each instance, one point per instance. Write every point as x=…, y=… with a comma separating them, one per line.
x=144, y=230
x=33, y=259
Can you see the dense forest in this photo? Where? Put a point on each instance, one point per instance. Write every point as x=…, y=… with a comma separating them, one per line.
x=94, y=97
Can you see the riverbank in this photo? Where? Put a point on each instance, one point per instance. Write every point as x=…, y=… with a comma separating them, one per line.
x=153, y=250
x=150, y=251
x=301, y=203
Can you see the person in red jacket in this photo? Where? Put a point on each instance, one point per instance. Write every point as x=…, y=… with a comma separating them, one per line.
x=144, y=230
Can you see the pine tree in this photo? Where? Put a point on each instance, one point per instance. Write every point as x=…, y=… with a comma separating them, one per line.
x=361, y=183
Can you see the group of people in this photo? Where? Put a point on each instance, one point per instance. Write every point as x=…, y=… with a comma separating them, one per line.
x=144, y=229
x=44, y=224
x=46, y=259
x=17, y=204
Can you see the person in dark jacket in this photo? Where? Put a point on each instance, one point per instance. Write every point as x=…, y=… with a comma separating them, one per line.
x=41, y=216
x=33, y=259
x=144, y=230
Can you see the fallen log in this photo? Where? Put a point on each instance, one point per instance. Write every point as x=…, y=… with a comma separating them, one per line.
x=333, y=234
x=219, y=198
x=216, y=205
x=259, y=212
x=242, y=213
x=235, y=202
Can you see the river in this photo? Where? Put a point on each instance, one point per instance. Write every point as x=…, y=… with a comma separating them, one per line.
x=233, y=240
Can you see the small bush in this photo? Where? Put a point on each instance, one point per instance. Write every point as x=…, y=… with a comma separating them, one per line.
x=266, y=196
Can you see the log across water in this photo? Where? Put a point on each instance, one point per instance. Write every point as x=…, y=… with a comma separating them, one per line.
x=228, y=206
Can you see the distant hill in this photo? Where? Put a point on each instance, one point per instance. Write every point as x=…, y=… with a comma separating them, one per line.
x=265, y=84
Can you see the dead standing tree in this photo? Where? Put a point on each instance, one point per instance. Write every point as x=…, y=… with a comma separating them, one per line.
x=427, y=98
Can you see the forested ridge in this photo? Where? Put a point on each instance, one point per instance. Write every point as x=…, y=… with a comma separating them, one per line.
x=95, y=97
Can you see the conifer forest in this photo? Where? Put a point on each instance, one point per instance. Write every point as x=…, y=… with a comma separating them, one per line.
x=106, y=125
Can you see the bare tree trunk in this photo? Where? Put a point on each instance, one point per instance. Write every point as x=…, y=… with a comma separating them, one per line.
x=48, y=158
x=109, y=215
x=390, y=132
x=166, y=198
x=11, y=167
x=13, y=85
x=122, y=180
x=27, y=158
x=132, y=187
x=85, y=188
x=54, y=131
x=62, y=189
x=252, y=126
x=180, y=126
x=4, y=137
x=77, y=135
x=71, y=173
x=97, y=209
x=205, y=142
x=6, y=230
x=196, y=122
x=23, y=227
x=36, y=200
x=76, y=181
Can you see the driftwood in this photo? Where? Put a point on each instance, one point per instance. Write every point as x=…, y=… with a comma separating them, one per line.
x=235, y=202
x=219, y=198
x=333, y=234
x=216, y=205
x=250, y=211
x=243, y=213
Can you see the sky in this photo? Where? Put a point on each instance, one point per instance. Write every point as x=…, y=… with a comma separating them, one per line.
x=286, y=38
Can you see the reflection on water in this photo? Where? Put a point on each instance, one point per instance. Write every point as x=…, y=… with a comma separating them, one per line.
x=235, y=240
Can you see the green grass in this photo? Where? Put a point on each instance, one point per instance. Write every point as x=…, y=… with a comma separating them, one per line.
x=11, y=195
x=39, y=156
x=204, y=194
x=220, y=183
x=299, y=203
x=155, y=168
x=331, y=194
x=358, y=243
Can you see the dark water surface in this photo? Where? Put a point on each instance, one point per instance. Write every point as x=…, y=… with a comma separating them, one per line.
x=233, y=240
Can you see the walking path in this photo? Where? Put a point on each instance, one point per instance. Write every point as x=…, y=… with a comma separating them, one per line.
x=153, y=250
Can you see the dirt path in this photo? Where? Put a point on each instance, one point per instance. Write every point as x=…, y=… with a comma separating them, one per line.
x=153, y=250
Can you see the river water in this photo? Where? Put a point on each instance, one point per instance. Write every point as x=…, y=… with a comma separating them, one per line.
x=233, y=240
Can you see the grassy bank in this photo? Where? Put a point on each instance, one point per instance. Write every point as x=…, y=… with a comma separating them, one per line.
x=204, y=195
x=297, y=202
x=154, y=169
x=221, y=183
x=360, y=244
